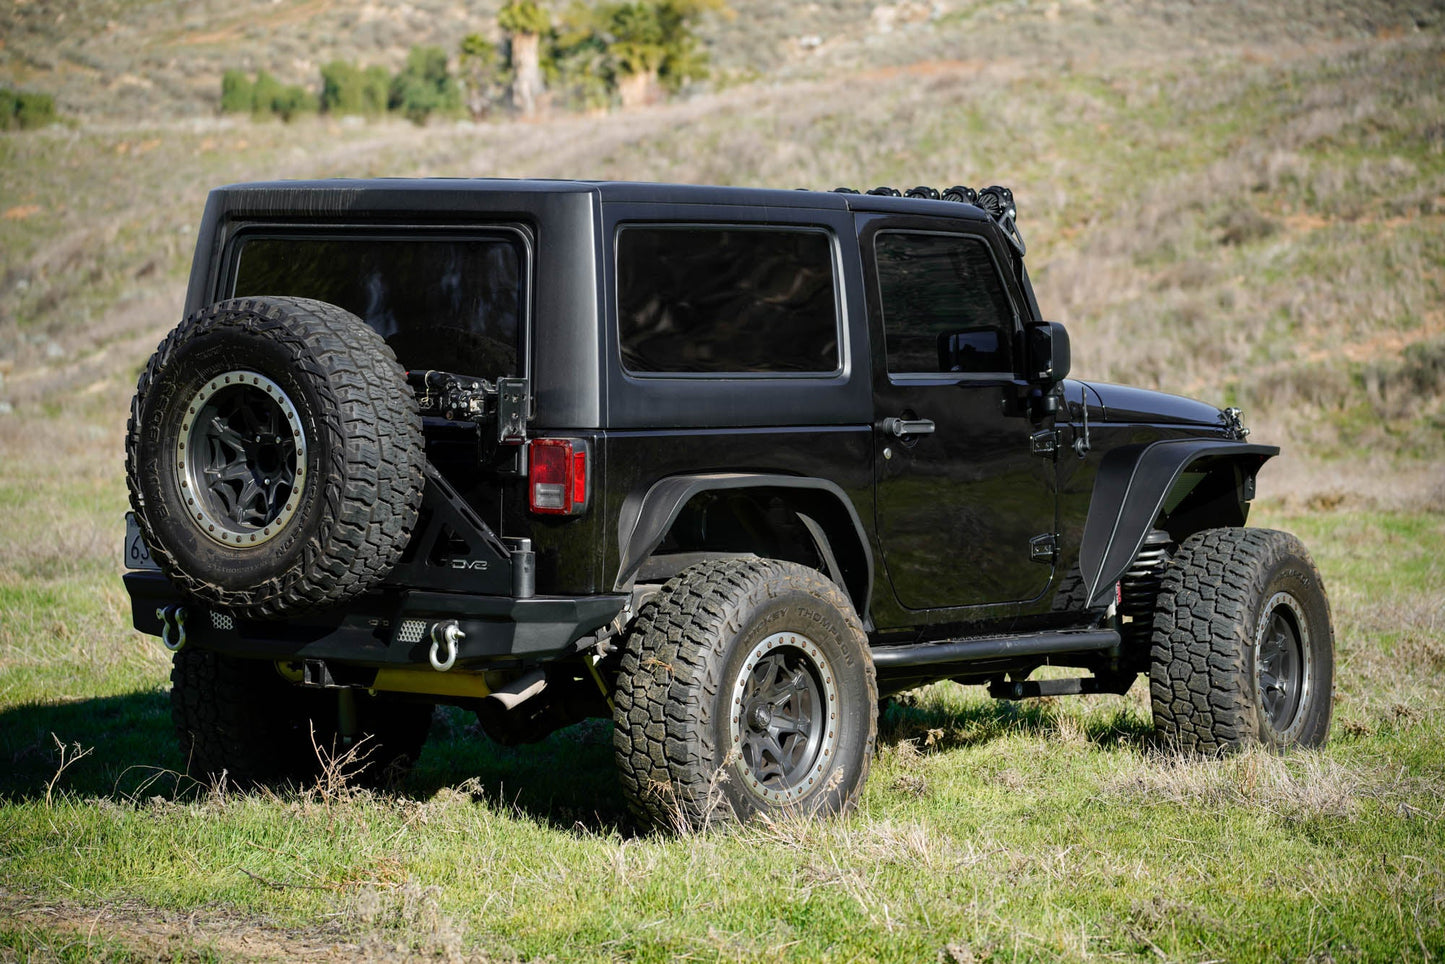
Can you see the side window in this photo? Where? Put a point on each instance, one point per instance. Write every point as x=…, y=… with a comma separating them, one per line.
x=726, y=300
x=944, y=304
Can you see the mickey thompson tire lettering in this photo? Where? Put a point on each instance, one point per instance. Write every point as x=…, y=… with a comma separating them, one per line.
x=1242, y=648
x=745, y=687
x=239, y=717
x=314, y=511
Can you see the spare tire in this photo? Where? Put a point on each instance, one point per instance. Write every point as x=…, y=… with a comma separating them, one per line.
x=274, y=456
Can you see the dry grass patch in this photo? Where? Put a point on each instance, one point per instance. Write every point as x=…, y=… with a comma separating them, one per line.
x=1295, y=787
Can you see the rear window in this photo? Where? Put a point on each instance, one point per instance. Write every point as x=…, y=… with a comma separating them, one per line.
x=726, y=300
x=454, y=304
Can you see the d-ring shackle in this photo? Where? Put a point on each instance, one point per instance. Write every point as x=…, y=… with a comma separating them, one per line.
x=173, y=627
x=445, y=636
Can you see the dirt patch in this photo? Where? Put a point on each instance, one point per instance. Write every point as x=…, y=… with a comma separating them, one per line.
x=154, y=934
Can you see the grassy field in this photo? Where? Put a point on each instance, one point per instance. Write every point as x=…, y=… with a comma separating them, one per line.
x=1237, y=201
x=989, y=831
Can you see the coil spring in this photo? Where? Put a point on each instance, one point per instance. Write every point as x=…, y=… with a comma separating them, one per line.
x=1139, y=588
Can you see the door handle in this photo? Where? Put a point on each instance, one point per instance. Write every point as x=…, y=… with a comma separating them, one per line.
x=904, y=427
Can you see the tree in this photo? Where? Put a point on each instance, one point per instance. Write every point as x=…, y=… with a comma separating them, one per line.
x=484, y=78
x=644, y=45
x=638, y=49
x=577, y=63
x=524, y=23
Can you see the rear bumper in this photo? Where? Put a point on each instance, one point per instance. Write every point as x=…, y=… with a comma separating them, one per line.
x=393, y=629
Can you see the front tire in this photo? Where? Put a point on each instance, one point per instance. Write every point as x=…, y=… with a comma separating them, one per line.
x=746, y=688
x=1243, y=649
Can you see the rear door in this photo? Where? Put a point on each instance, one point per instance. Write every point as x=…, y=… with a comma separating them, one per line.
x=965, y=512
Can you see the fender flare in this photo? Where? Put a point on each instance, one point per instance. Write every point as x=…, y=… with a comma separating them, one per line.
x=643, y=523
x=1129, y=491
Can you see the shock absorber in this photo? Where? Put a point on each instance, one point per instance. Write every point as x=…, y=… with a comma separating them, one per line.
x=1138, y=590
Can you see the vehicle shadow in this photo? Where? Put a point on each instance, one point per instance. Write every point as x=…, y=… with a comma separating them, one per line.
x=567, y=781
x=123, y=748
x=107, y=746
x=935, y=726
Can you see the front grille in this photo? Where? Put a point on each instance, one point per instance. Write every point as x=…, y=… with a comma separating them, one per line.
x=222, y=621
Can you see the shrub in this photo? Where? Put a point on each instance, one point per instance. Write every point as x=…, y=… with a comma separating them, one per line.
x=349, y=89
x=265, y=92
x=375, y=89
x=425, y=86
x=292, y=100
x=270, y=97
x=20, y=110
x=343, y=88
x=238, y=93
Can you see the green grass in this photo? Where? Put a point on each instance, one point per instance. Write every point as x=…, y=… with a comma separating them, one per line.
x=1049, y=830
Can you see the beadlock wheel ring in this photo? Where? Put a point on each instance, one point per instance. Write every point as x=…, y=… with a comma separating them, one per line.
x=1283, y=665
x=783, y=718
x=241, y=459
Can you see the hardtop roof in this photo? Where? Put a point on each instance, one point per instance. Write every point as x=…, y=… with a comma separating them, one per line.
x=438, y=194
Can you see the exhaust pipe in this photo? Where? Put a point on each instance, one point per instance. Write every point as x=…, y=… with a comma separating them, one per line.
x=519, y=690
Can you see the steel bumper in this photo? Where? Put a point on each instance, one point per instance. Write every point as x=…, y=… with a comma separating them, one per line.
x=392, y=629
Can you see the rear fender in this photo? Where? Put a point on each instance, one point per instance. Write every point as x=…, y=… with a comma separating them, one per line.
x=1131, y=489
x=822, y=506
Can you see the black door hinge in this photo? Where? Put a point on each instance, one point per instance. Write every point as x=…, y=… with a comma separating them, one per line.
x=1044, y=548
x=514, y=408
x=1045, y=443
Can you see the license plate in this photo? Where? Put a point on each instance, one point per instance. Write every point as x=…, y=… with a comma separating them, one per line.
x=137, y=554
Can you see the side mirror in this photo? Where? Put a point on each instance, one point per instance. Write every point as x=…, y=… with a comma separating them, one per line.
x=1048, y=353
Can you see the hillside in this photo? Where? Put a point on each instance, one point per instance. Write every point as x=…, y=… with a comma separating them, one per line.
x=125, y=59
x=1258, y=221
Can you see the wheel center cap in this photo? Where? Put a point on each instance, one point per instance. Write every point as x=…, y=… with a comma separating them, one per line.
x=761, y=717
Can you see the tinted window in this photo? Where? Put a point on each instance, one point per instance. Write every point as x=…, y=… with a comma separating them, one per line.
x=944, y=304
x=452, y=305
x=726, y=300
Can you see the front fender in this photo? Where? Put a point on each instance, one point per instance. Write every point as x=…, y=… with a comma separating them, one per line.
x=1129, y=492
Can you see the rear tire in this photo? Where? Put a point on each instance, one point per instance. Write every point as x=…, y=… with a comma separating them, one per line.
x=239, y=718
x=1243, y=649
x=746, y=688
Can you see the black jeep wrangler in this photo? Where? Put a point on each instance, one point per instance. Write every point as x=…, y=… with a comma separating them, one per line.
x=723, y=465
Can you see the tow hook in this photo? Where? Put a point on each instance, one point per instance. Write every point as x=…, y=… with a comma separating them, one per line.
x=445, y=636
x=173, y=627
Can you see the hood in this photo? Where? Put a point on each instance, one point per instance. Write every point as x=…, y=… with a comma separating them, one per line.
x=1124, y=404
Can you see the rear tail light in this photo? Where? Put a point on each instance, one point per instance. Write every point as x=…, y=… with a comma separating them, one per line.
x=557, y=476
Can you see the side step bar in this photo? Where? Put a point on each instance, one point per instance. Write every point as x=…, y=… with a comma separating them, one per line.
x=994, y=647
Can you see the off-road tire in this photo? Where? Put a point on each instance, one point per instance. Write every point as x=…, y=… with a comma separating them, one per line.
x=240, y=718
x=692, y=653
x=356, y=453
x=1225, y=595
